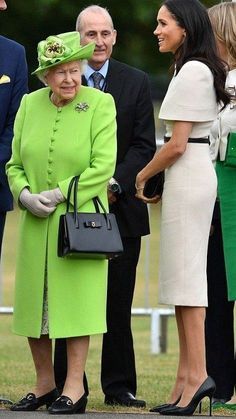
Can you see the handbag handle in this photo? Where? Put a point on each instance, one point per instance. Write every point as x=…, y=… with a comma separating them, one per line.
x=73, y=180
x=96, y=201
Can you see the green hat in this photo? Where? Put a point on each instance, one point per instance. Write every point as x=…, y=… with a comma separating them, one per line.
x=60, y=49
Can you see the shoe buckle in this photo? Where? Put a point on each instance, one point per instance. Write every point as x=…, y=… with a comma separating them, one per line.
x=69, y=402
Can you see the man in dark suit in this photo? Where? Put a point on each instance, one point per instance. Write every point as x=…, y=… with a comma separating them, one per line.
x=13, y=84
x=135, y=148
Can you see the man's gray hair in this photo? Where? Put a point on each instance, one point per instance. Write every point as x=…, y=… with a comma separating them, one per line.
x=94, y=9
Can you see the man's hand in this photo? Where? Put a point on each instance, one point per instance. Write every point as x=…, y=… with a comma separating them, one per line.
x=35, y=203
x=111, y=197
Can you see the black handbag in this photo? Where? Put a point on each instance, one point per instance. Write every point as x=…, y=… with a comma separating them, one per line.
x=88, y=235
x=154, y=185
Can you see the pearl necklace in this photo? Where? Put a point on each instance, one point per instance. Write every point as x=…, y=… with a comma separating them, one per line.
x=59, y=103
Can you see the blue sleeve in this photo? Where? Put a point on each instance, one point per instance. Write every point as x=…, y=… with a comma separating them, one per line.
x=11, y=99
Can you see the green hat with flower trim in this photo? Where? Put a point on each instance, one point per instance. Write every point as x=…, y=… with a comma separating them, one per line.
x=60, y=49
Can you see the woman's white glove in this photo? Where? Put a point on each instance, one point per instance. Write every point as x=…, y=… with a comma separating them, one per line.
x=54, y=195
x=37, y=204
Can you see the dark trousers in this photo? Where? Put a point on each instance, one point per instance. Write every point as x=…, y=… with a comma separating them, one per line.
x=220, y=356
x=2, y=224
x=118, y=372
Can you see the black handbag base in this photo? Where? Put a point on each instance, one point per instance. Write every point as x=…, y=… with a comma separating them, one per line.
x=88, y=235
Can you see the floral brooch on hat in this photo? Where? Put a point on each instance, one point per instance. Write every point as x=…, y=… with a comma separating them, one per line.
x=52, y=49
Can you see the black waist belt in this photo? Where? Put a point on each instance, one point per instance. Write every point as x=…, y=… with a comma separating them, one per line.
x=204, y=140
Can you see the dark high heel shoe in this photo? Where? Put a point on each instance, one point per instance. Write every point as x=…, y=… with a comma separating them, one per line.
x=63, y=405
x=207, y=389
x=160, y=407
x=30, y=402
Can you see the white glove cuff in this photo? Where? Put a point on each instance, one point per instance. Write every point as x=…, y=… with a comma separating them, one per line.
x=59, y=196
x=23, y=194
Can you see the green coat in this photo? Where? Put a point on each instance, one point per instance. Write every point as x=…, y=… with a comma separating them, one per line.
x=50, y=146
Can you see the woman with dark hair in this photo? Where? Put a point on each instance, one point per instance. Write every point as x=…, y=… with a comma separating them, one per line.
x=189, y=108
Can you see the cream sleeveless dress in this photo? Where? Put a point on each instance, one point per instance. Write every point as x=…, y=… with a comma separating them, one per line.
x=189, y=190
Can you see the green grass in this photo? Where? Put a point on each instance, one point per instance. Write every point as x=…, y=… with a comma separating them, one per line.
x=155, y=372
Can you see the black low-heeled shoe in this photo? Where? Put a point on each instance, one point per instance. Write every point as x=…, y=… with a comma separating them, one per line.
x=63, y=405
x=30, y=402
x=160, y=407
x=207, y=389
x=124, y=399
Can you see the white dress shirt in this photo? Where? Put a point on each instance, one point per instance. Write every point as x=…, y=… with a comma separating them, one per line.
x=225, y=122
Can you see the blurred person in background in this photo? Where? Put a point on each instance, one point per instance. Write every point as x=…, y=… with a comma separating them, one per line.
x=13, y=85
x=221, y=262
x=61, y=131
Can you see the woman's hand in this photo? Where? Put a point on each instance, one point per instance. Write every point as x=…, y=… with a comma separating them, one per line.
x=139, y=185
x=54, y=195
x=35, y=203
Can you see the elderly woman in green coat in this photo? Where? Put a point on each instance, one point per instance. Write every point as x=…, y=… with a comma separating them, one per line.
x=62, y=130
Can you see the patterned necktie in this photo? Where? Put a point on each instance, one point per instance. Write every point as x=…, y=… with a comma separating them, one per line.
x=97, y=77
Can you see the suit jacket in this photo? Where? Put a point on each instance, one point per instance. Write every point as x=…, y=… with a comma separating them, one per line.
x=135, y=142
x=13, y=65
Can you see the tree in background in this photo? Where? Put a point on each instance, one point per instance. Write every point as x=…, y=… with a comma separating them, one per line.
x=30, y=21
